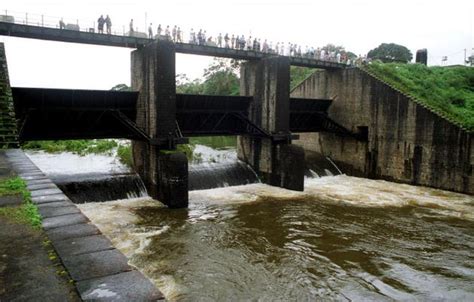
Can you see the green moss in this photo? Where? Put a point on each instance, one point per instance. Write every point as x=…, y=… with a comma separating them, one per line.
x=27, y=213
x=449, y=91
x=186, y=149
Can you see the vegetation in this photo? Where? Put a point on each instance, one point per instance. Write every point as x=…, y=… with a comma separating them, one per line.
x=216, y=142
x=390, y=52
x=447, y=90
x=81, y=147
x=27, y=212
x=124, y=154
x=220, y=78
x=298, y=75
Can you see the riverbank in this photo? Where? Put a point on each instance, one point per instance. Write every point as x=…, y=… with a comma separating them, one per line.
x=29, y=268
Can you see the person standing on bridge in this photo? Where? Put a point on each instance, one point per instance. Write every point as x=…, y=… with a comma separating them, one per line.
x=100, y=24
x=131, y=28
x=179, y=35
x=232, y=41
x=62, y=25
x=192, y=36
x=174, y=32
x=167, y=32
x=219, y=40
x=242, y=42
x=159, y=30
x=108, y=25
x=150, y=31
x=226, y=39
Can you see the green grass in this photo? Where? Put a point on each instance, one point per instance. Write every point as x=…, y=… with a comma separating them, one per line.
x=216, y=142
x=124, y=153
x=447, y=90
x=27, y=213
x=81, y=147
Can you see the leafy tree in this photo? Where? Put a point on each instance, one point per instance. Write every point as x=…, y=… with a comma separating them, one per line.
x=298, y=75
x=339, y=49
x=221, y=77
x=390, y=52
x=185, y=85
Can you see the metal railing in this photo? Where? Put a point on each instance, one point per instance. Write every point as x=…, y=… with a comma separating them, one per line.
x=91, y=27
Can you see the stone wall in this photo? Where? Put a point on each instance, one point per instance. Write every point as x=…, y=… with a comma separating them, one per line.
x=163, y=171
x=407, y=142
x=8, y=127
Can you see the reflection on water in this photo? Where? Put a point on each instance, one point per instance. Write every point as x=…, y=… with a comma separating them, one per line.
x=344, y=238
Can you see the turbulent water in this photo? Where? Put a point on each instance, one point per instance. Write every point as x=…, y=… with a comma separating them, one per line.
x=343, y=238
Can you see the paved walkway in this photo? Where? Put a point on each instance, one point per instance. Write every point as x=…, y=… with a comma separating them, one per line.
x=26, y=271
x=99, y=271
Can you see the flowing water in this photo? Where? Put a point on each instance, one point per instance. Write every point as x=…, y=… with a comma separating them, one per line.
x=343, y=238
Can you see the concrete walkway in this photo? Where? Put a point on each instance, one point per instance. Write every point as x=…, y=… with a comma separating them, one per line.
x=99, y=271
x=26, y=271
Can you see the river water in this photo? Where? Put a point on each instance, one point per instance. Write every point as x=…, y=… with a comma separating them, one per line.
x=343, y=238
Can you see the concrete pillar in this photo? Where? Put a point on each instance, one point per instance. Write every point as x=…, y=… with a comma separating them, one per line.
x=163, y=170
x=276, y=161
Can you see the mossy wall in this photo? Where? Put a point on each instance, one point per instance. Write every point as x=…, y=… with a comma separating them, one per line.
x=8, y=127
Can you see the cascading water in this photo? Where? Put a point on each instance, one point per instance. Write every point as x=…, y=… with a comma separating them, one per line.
x=208, y=176
x=95, y=178
x=93, y=187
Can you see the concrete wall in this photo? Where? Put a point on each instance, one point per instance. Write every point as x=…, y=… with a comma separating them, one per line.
x=406, y=142
x=163, y=171
x=277, y=163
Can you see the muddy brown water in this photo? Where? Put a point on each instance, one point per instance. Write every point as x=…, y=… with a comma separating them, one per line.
x=344, y=238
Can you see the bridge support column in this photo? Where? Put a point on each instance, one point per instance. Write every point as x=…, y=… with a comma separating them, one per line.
x=277, y=162
x=163, y=170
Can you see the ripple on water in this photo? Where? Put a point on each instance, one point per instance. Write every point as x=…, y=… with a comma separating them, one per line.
x=344, y=238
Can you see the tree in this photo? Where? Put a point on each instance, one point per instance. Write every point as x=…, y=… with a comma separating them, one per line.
x=220, y=78
x=298, y=75
x=390, y=52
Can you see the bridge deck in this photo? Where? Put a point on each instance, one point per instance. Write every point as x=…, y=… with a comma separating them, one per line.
x=75, y=36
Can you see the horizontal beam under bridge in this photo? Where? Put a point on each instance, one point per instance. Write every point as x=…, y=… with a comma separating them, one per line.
x=83, y=37
x=50, y=114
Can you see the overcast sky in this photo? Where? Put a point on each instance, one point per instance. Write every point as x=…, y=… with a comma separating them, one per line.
x=445, y=28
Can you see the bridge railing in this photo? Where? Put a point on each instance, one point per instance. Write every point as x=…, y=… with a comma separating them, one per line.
x=75, y=24
x=52, y=21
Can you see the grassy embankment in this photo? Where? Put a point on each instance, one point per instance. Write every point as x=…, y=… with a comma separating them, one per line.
x=449, y=91
x=27, y=213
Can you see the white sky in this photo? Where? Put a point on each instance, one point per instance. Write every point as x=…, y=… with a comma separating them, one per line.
x=445, y=28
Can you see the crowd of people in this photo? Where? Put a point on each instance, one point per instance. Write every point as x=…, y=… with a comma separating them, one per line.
x=252, y=43
x=233, y=41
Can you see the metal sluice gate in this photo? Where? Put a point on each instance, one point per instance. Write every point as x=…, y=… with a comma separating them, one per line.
x=56, y=114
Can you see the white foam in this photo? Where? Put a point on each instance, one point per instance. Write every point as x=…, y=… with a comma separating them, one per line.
x=69, y=163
